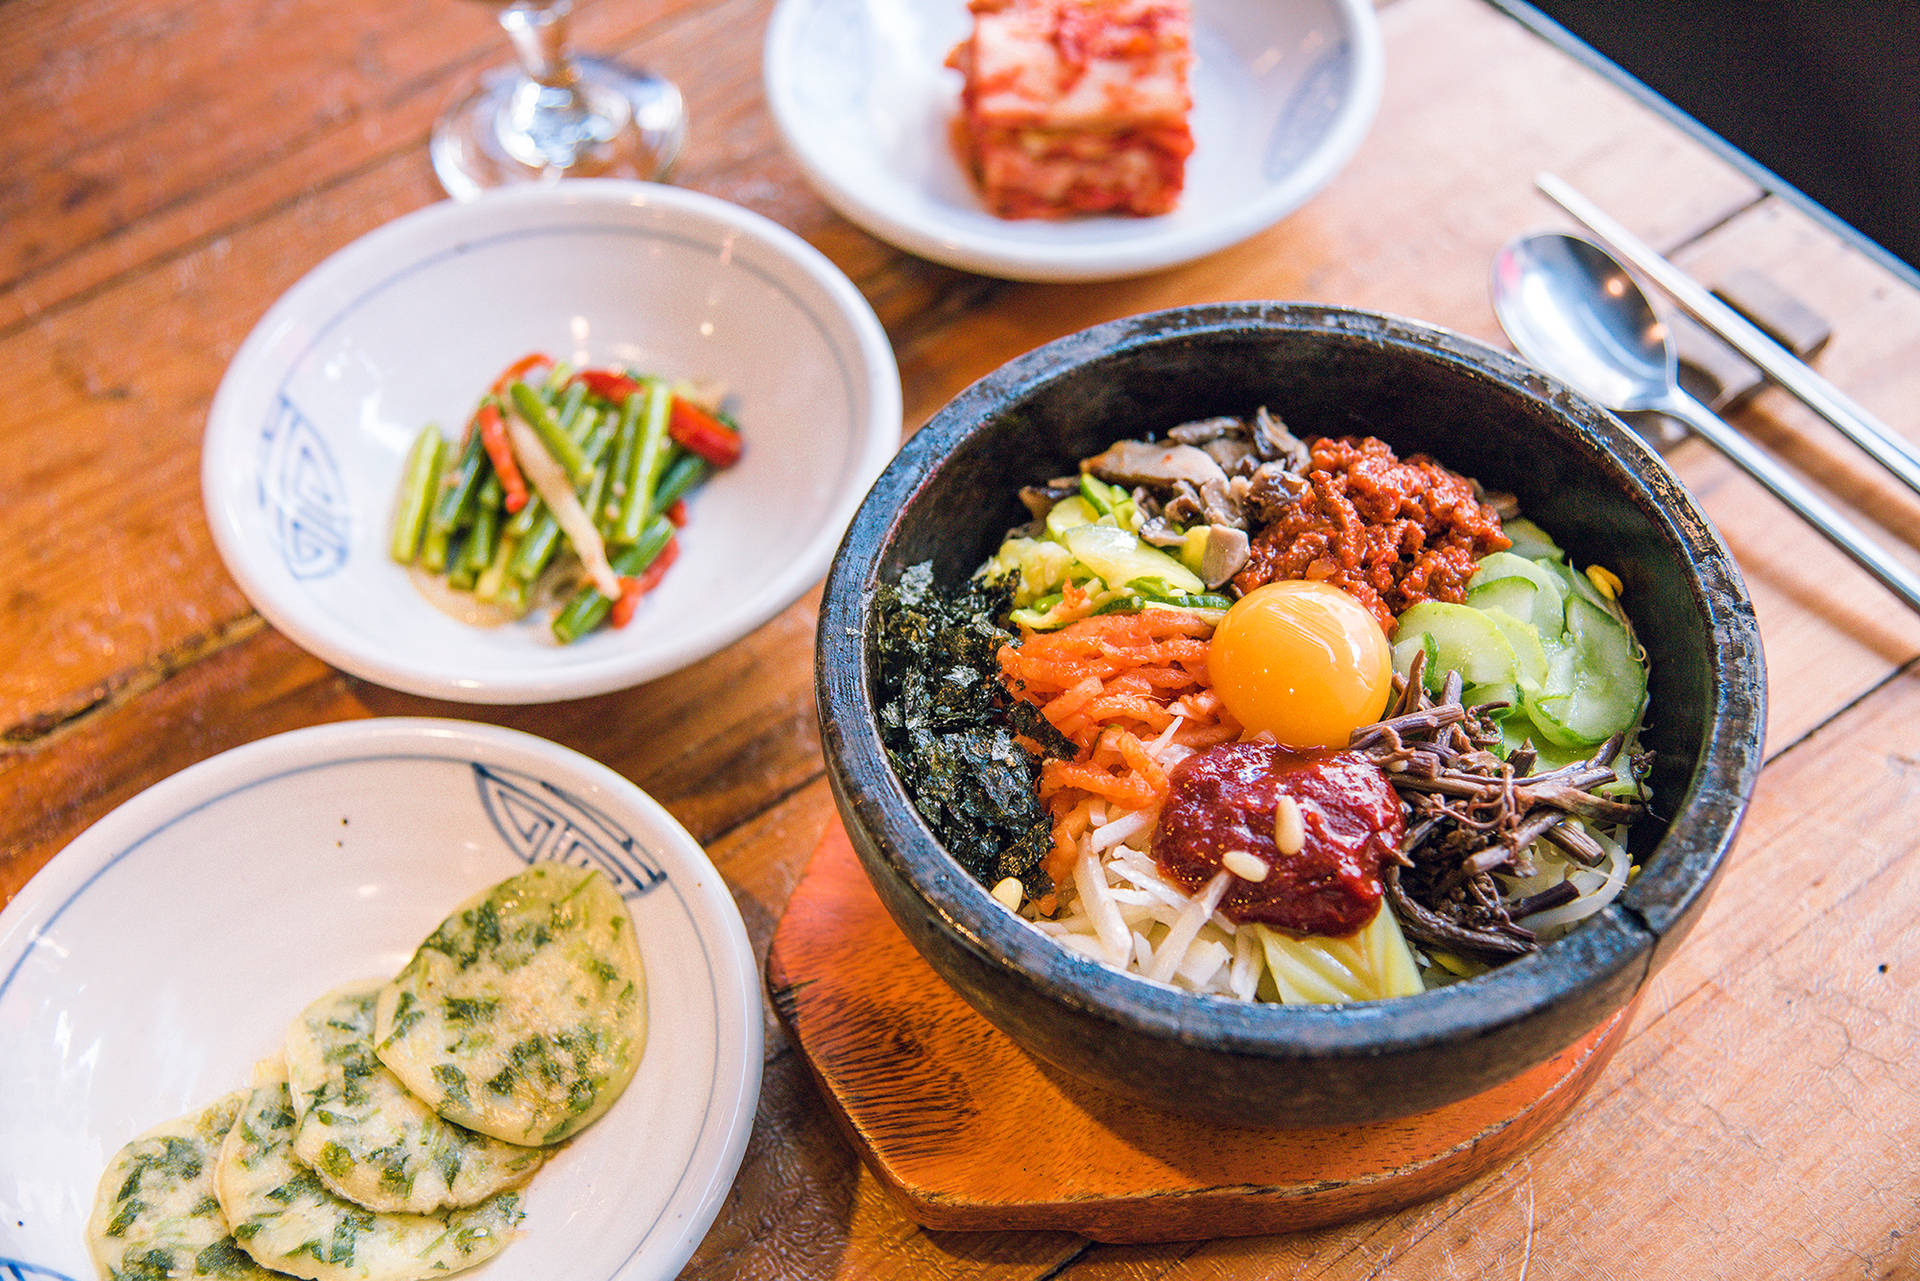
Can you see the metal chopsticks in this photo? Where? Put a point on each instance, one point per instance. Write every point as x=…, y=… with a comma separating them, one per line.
x=1779, y=364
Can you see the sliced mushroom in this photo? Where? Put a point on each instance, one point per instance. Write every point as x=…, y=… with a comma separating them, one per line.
x=1274, y=443
x=1234, y=454
x=1182, y=506
x=1202, y=430
x=1224, y=555
x=1137, y=462
x=1270, y=490
x=1504, y=505
x=1216, y=501
x=1039, y=499
x=1156, y=531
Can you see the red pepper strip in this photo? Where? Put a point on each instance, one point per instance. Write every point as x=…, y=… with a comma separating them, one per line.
x=607, y=385
x=493, y=435
x=519, y=369
x=650, y=578
x=677, y=513
x=704, y=434
x=622, y=612
x=632, y=589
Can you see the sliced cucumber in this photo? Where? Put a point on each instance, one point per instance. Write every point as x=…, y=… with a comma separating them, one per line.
x=1040, y=615
x=1530, y=541
x=1603, y=637
x=1529, y=655
x=1517, y=728
x=1119, y=557
x=1582, y=586
x=1006, y=558
x=1043, y=568
x=1405, y=648
x=1595, y=682
x=1132, y=602
x=1041, y=563
x=1563, y=663
x=1098, y=493
x=1464, y=640
x=1070, y=513
x=1478, y=695
x=1498, y=565
x=1156, y=591
x=1540, y=606
x=1545, y=576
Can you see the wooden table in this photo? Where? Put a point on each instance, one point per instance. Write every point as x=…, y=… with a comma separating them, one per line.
x=171, y=166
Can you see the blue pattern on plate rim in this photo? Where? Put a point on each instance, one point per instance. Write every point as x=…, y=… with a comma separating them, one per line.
x=21, y=1270
x=301, y=494
x=542, y=822
x=592, y=819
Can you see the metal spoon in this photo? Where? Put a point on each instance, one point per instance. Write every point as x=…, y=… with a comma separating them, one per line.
x=1575, y=312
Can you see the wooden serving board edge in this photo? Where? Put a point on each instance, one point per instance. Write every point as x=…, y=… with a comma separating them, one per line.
x=977, y=1176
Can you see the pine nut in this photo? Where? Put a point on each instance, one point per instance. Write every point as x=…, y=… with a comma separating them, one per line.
x=1289, y=828
x=1008, y=893
x=1244, y=865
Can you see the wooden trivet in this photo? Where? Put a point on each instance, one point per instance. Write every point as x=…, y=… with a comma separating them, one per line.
x=973, y=1133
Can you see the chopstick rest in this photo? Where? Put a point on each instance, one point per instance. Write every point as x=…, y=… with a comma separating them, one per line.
x=1716, y=373
x=1769, y=307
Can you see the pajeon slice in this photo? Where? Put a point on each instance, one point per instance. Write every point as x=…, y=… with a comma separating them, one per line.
x=368, y=1137
x=523, y=1015
x=284, y=1216
x=156, y=1215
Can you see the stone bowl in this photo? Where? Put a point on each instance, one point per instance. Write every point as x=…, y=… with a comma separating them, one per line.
x=951, y=493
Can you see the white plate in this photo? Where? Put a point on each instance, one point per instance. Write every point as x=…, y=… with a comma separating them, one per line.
x=160, y=955
x=1283, y=92
x=412, y=322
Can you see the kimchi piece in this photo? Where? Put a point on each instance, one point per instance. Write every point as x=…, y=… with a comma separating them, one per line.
x=1076, y=106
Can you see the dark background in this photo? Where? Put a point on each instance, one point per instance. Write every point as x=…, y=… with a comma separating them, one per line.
x=1825, y=93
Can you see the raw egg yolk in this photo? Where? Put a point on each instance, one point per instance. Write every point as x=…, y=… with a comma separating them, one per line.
x=1303, y=661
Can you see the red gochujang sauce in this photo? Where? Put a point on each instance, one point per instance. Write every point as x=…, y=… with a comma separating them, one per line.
x=1225, y=799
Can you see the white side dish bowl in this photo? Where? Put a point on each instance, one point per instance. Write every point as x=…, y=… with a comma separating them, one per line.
x=163, y=953
x=1283, y=93
x=411, y=323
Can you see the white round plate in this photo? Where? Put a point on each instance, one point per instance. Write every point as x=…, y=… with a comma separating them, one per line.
x=160, y=955
x=411, y=323
x=1283, y=92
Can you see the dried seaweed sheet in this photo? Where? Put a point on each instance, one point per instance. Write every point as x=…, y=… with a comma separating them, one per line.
x=949, y=725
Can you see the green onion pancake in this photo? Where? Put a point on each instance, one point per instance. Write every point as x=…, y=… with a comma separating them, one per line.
x=284, y=1216
x=368, y=1138
x=523, y=1016
x=156, y=1215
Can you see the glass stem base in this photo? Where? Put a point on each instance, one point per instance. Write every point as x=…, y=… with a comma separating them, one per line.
x=590, y=118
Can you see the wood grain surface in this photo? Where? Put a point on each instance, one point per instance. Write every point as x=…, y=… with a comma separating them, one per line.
x=172, y=166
